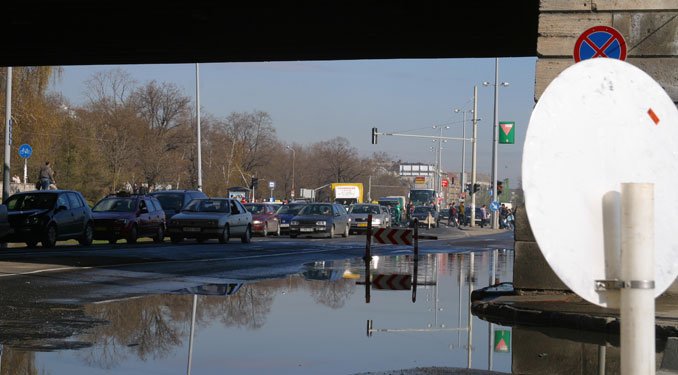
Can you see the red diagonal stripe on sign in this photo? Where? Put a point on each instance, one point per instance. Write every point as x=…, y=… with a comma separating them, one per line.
x=377, y=235
x=653, y=116
x=391, y=235
x=406, y=237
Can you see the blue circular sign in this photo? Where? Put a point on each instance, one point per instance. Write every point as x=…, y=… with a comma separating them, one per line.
x=600, y=41
x=494, y=206
x=25, y=151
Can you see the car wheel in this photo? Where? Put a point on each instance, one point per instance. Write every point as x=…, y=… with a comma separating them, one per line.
x=133, y=235
x=32, y=243
x=201, y=239
x=293, y=236
x=346, y=230
x=87, y=235
x=160, y=235
x=113, y=241
x=247, y=237
x=176, y=239
x=50, y=237
x=225, y=235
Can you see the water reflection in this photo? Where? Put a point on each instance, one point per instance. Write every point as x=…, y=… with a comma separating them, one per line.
x=311, y=322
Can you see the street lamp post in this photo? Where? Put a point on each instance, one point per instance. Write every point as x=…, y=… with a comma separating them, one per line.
x=294, y=156
x=197, y=116
x=463, y=151
x=439, y=161
x=495, y=138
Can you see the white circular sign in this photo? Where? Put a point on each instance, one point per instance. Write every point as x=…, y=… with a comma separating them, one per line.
x=600, y=123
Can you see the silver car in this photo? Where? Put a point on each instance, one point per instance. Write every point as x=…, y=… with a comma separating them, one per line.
x=359, y=213
x=205, y=218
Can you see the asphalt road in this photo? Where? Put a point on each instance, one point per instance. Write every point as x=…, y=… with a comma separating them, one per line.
x=101, y=272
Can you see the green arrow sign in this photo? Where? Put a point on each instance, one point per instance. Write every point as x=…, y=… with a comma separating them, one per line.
x=507, y=132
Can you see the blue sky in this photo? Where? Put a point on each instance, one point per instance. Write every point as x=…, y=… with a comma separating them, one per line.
x=311, y=101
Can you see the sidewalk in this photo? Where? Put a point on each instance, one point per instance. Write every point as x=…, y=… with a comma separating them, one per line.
x=502, y=304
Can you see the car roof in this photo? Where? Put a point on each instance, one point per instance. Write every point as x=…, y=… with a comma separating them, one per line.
x=176, y=191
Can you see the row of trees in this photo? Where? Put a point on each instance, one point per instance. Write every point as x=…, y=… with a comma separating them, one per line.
x=132, y=133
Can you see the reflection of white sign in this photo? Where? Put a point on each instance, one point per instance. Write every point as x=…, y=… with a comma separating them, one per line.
x=346, y=192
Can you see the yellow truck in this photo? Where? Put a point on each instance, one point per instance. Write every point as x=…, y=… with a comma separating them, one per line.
x=347, y=193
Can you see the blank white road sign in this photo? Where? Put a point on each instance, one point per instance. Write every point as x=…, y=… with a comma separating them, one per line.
x=602, y=122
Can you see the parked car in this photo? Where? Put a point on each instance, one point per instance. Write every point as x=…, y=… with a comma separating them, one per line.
x=264, y=218
x=205, y=218
x=129, y=217
x=5, y=228
x=421, y=213
x=285, y=214
x=173, y=201
x=321, y=218
x=359, y=213
x=48, y=216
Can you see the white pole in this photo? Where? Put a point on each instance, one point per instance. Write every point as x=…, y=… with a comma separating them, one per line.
x=190, y=341
x=463, y=155
x=197, y=115
x=25, y=170
x=495, y=140
x=8, y=133
x=473, y=156
x=637, y=273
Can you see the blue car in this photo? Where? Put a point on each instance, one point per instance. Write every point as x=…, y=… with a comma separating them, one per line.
x=285, y=214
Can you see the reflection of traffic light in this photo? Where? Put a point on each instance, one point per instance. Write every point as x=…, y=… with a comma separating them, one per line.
x=500, y=187
x=476, y=188
x=374, y=136
x=254, y=183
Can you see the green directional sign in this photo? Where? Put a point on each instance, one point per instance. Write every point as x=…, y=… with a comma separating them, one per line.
x=502, y=340
x=507, y=132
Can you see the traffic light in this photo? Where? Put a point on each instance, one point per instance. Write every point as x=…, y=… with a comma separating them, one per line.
x=374, y=136
x=468, y=188
x=500, y=187
x=476, y=188
x=254, y=183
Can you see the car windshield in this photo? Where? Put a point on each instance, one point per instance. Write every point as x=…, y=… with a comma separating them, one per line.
x=291, y=209
x=363, y=209
x=422, y=210
x=317, y=209
x=256, y=208
x=208, y=205
x=22, y=202
x=171, y=201
x=115, y=205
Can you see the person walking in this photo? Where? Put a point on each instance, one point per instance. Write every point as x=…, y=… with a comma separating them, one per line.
x=46, y=176
x=452, y=215
x=483, y=216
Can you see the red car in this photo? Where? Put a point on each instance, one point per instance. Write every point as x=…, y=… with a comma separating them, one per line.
x=264, y=218
x=129, y=217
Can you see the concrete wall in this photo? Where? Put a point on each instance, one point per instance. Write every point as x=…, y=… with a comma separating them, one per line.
x=650, y=29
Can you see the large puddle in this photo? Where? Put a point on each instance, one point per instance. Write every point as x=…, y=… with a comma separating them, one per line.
x=325, y=320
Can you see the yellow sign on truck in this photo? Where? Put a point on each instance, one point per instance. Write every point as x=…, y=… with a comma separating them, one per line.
x=347, y=193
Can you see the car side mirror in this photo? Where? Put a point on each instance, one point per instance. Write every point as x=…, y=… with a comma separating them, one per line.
x=143, y=210
x=62, y=208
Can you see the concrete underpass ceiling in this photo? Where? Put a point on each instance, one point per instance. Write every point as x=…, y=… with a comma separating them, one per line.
x=90, y=32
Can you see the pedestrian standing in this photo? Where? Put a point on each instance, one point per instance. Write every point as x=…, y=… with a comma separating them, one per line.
x=462, y=214
x=46, y=176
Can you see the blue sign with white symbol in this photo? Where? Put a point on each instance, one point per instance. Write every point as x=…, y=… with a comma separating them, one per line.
x=494, y=206
x=25, y=151
x=600, y=41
